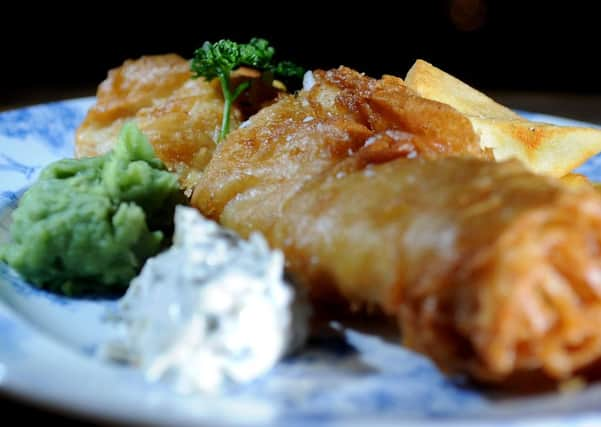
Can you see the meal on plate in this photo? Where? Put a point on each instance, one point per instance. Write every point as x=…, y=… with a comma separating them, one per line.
x=421, y=198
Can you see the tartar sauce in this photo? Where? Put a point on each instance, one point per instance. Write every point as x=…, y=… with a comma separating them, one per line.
x=212, y=310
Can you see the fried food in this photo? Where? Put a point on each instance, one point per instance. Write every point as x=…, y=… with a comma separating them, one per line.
x=575, y=179
x=490, y=269
x=262, y=164
x=181, y=117
x=544, y=148
x=385, y=198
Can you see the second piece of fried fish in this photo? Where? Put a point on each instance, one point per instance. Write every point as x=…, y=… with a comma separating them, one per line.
x=181, y=117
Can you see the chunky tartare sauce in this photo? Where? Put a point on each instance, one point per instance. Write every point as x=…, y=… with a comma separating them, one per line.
x=213, y=309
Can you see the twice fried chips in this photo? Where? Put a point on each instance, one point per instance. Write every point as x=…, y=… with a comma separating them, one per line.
x=544, y=148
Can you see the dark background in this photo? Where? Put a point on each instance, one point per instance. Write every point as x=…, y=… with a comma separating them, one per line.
x=497, y=46
x=537, y=55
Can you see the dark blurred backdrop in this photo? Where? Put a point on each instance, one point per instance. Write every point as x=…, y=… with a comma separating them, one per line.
x=499, y=46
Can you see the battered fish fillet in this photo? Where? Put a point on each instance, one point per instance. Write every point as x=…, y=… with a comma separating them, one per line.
x=490, y=269
x=377, y=195
x=181, y=117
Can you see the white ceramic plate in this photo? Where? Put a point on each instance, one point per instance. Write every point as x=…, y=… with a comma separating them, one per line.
x=347, y=377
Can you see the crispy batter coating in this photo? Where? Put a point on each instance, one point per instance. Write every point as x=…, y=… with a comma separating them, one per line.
x=258, y=167
x=491, y=269
x=575, y=179
x=180, y=116
x=386, y=199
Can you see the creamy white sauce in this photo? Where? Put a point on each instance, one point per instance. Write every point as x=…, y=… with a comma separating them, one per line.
x=212, y=310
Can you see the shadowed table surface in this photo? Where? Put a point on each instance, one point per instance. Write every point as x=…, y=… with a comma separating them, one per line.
x=585, y=107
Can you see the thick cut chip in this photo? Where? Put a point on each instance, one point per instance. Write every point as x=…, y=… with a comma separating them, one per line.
x=544, y=148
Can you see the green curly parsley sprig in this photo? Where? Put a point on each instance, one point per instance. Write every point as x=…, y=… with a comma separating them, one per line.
x=218, y=60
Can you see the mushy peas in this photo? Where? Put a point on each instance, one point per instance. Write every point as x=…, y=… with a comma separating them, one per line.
x=87, y=225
